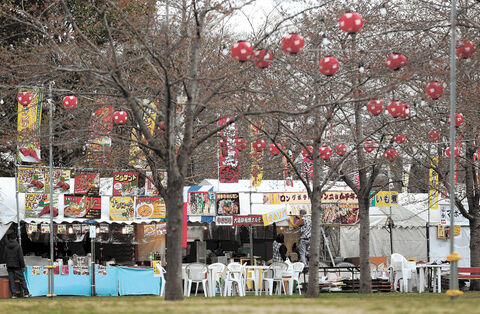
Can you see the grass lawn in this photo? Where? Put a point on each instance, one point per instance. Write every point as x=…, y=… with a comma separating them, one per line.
x=326, y=303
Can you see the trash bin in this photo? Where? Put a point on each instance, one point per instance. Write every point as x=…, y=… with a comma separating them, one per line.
x=4, y=288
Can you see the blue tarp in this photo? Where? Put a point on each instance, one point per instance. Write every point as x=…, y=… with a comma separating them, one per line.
x=117, y=281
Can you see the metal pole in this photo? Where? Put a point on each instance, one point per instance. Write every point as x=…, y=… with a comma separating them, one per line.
x=92, y=256
x=453, y=264
x=390, y=223
x=19, y=230
x=52, y=257
x=251, y=232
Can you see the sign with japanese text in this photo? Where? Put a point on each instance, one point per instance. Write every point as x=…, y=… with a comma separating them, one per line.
x=228, y=166
x=60, y=180
x=37, y=205
x=89, y=207
x=150, y=188
x=149, y=231
x=87, y=183
x=150, y=208
x=224, y=220
x=247, y=220
x=99, y=144
x=228, y=204
x=28, y=128
x=137, y=157
x=286, y=198
x=433, y=182
x=386, y=199
x=125, y=183
x=201, y=203
x=31, y=180
x=445, y=216
x=294, y=209
x=342, y=214
x=122, y=208
x=275, y=216
x=256, y=167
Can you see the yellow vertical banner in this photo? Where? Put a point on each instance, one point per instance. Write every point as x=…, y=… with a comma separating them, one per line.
x=28, y=128
x=433, y=183
x=137, y=157
x=256, y=167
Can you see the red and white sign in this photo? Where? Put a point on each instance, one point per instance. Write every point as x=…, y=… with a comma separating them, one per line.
x=224, y=220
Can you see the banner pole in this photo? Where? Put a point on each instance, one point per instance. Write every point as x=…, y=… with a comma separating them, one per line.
x=50, y=136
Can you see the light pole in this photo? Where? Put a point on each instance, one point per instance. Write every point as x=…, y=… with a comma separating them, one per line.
x=50, y=266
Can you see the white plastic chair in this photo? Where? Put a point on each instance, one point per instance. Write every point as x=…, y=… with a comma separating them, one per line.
x=373, y=270
x=234, y=275
x=275, y=274
x=196, y=273
x=184, y=278
x=297, y=269
x=217, y=270
x=250, y=275
x=402, y=270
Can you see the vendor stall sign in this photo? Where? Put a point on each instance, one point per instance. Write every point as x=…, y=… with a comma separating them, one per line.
x=275, y=216
x=286, y=198
x=36, y=270
x=161, y=228
x=85, y=228
x=31, y=228
x=149, y=231
x=386, y=199
x=294, y=209
x=339, y=197
x=99, y=144
x=150, y=208
x=201, y=203
x=61, y=229
x=102, y=270
x=122, y=208
x=125, y=183
x=157, y=268
x=150, y=188
x=228, y=171
x=31, y=180
x=247, y=220
x=60, y=180
x=128, y=229
x=89, y=207
x=76, y=228
x=224, y=220
x=38, y=205
x=339, y=214
x=28, y=128
x=45, y=228
x=87, y=183
x=228, y=204
x=103, y=228
x=65, y=270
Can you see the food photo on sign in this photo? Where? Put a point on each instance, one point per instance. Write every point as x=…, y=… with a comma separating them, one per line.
x=201, y=203
x=87, y=183
x=60, y=180
x=228, y=204
x=125, y=183
x=31, y=180
x=82, y=207
x=150, y=208
x=37, y=205
x=122, y=208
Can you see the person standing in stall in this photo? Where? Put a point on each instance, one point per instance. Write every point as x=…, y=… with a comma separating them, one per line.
x=305, y=225
x=279, y=249
x=15, y=266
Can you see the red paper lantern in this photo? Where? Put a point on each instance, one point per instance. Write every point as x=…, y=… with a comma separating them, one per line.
x=292, y=43
x=404, y=110
x=399, y=138
x=328, y=66
x=457, y=152
x=262, y=58
x=240, y=144
x=307, y=153
x=274, y=151
x=70, y=102
x=395, y=61
x=259, y=145
x=369, y=146
x=435, y=90
x=465, y=49
x=325, y=152
x=433, y=136
x=162, y=127
x=459, y=119
x=375, y=107
x=24, y=98
x=394, y=108
x=120, y=117
x=242, y=50
x=351, y=22
x=340, y=149
x=391, y=154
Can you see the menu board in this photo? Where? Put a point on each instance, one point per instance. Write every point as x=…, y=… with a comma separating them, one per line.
x=122, y=208
x=37, y=205
x=44, y=228
x=150, y=208
x=201, y=203
x=60, y=180
x=61, y=229
x=89, y=207
x=31, y=228
x=31, y=180
x=125, y=183
x=150, y=188
x=228, y=204
x=87, y=183
x=149, y=231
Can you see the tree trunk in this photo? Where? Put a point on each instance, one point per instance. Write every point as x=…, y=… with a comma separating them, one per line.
x=174, y=204
x=475, y=249
x=365, y=277
x=313, y=288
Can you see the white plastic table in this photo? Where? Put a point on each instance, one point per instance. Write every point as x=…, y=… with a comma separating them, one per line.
x=436, y=271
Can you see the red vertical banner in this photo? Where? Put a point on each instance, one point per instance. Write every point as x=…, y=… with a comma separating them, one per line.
x=28, y=128
x=307, y=169
x=184, y=229
x=228, y=157
x=99, y=144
